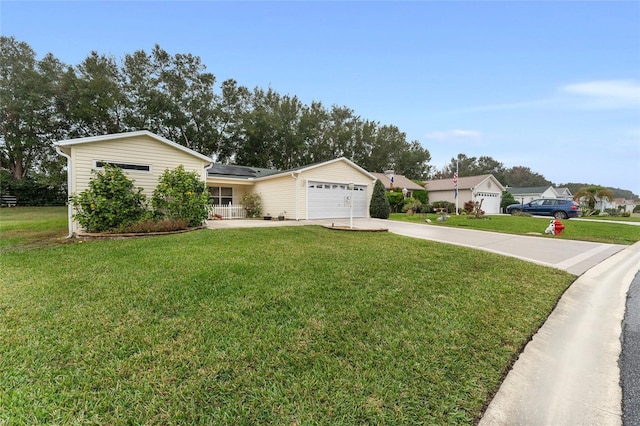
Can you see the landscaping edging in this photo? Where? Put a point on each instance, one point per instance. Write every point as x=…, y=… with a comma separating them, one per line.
x=347, y=228
x=134, y=234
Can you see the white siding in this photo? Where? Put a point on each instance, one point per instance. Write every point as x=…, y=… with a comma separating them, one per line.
x=136, y=150
x=142, y=150
x=335, y=172
x=278, y=196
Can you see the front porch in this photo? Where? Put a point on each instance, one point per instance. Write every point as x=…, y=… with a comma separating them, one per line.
x=229, y=211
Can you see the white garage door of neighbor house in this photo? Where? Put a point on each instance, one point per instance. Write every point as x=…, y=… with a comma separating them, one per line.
x=491, y=203
x=331, y=200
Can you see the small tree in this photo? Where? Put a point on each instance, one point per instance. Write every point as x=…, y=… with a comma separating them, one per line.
x=507, y=199
x=252, y=203
x=590, y=195
x=181, y=195
x=379, y=207
x=111, y=201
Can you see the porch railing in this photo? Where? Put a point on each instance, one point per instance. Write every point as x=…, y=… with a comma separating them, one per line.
x=228, y=211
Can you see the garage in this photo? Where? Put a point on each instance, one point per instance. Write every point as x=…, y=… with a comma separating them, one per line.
x=331, y=200
x=491, y=201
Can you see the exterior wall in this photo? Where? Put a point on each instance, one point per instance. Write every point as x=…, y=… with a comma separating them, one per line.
x=338, y=172
x=279, y=193
x=239, y=188
x=464, y=195
x=132, y=150
x=278, y=196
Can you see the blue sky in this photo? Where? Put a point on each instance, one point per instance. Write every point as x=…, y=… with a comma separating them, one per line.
x=553, y=86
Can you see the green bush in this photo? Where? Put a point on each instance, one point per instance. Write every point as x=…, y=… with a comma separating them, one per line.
x=181, y=195
x=507, y=199
x=411, y=205
x=111, y=201
x=252, y=204
x=449, y=207
x=421, y=195
x=31, y=192
x=396, y=201
x=379, y=207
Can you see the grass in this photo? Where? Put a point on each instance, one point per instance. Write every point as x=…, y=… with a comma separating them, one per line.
x=584, y=230
x=31, y=226
x=293, y=325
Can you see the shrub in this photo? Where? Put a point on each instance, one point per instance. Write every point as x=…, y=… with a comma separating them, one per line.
x=181, y=195
x=379, y=207
x=252, y=204
x=110, y=201
x=507, y=199
x=396, y=201
x=524, y=214
x=626, y=214
x=469, y=206
x=411, y=205
x=421, y=195
x=150, y=225
x=449, y=207
x=31, y=192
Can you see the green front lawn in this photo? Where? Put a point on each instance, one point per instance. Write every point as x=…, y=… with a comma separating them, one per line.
x=292, y=325
x=585, y=230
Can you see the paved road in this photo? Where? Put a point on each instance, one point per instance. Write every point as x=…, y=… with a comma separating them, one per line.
x=630, y=358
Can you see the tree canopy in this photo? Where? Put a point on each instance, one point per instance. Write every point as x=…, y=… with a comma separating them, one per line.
x=175, y=97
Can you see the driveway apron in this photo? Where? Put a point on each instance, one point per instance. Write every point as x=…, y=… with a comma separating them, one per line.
x=575, y=257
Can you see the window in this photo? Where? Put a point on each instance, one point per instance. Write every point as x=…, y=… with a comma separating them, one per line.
x=220, y=195
x=124, y=166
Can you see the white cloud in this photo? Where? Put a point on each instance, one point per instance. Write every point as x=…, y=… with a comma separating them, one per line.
x=607, y=94
x=455, y=135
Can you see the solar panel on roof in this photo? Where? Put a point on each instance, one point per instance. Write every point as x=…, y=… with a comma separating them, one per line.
x=224, y=169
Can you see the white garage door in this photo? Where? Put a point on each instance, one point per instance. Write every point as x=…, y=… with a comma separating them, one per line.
x=491, y=203
x=331, y=200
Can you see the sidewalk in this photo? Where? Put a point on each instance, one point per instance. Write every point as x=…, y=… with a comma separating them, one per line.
x=568, y=374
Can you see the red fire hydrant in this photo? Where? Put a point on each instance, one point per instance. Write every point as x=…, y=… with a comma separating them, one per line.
x=558, y=227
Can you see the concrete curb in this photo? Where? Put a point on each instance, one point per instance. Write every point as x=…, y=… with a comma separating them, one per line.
x=568, y=374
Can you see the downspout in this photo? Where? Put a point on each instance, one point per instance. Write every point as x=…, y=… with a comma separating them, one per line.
x=69, y=205
x=297, y=196
x=206, y=188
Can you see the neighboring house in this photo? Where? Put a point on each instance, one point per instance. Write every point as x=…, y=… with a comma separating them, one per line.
x=392, y=181
x=564, y=193
x=605, y=204
x=142, y=155
x=471, y=188
x=625, y=206
x=526, y=194
x=317, y=191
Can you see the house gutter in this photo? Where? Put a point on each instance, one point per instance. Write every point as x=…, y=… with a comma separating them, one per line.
x=297, y=196
x=69, y=205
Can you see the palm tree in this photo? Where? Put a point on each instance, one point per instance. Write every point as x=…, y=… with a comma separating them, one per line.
x=590, y=195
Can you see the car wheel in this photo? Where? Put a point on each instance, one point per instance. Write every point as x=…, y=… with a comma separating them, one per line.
x=560, y=215
x=514, y=211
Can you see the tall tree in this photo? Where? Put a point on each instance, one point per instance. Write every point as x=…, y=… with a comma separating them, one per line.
x=92, y=101
x=28, y=117
x=522, y=177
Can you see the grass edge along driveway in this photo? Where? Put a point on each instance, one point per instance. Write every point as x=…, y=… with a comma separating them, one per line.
x=294, y=325
x=611, y=232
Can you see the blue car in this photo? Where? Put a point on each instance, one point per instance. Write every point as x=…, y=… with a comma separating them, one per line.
x=556, y=207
